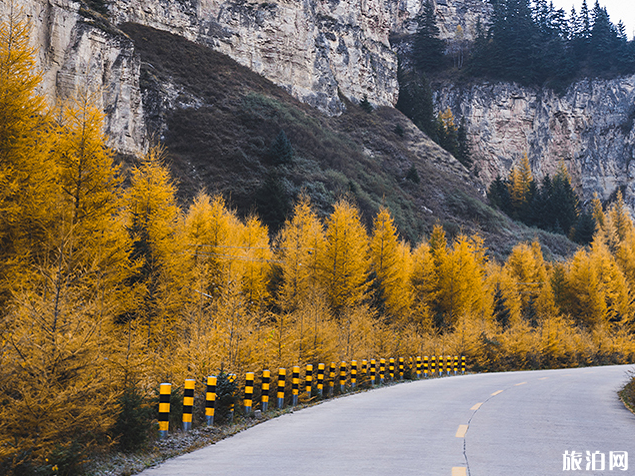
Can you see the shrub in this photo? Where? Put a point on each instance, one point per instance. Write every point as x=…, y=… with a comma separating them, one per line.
x=134, y=421
x=366, y=105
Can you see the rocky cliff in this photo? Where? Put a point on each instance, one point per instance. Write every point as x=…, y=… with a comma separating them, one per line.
x=78, y=51
x=589, y=127
x=322, y=50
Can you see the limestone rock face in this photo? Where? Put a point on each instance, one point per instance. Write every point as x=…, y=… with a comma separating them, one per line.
x=313, y=49
x=450, y=15
x=590, y=128
x=77, y=55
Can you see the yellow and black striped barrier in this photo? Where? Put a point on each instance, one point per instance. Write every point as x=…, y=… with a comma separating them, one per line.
x=448, y=363
x=249, y=392
x=456, y=364
x=433, y=367
x=264, y=390
x=391, y=368
x=353, y=373
x=320, y=380
x=282, y=373
x=308, y=380
x=462, y=364
x=188, y=403
x=418, y=367
x=401, y=368
x=342, y=376
x=210, y=399
x=364, y=369
x=295, y=385
x=425, y=366
x=382, y=371
x=373, y=370
x=165, y=390
x=331, y=379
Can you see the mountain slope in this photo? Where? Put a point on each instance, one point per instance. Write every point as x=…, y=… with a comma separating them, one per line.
x=218, y=120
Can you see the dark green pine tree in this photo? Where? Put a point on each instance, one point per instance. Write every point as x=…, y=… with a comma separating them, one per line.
x=428, y=48
x=281, y=150
x=584, y=228
x=604, y=41
x=415, y=101
x=273, y=201
x=498, y=195
x=564, y=204
x=501, y=313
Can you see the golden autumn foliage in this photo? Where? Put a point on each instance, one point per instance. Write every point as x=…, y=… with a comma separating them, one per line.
x=107, y=284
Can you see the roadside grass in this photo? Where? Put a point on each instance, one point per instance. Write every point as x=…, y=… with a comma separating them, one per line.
x=627, y=394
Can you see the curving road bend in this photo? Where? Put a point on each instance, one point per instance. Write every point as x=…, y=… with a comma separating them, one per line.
x=515, y=423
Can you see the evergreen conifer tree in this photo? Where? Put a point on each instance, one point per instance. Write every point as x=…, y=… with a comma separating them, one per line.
x=281, y=150
x=428, y=48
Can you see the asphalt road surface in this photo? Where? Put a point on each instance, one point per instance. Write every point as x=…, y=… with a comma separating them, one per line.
x=514, y=423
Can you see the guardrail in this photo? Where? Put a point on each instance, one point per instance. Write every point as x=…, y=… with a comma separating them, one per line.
x=414, y=368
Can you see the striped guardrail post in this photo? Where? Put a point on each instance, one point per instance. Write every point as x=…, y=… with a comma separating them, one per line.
x=210, y=400
x=282, y=373
x=249, y=392
x=382, y=371
x=418, y=367
x=433, y=366
x=425, y=366
x=391, y=368
x=264, y=390
x=373, y=371
x=331, y=379
x=364, y=369
x=188, y=403
x=295, y=385
x=448, y=364
x=353, y=373
x=308, y=380
x=232, y=379
x=165, y=390
x=456, y=364
x=320, y=380
x=401, y=368
x=342, y=376
x=462, y=364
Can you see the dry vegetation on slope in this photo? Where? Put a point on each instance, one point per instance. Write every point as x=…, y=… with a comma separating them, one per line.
x=218, y=120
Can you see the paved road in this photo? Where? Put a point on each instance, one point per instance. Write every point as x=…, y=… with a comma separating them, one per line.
x=524, y=424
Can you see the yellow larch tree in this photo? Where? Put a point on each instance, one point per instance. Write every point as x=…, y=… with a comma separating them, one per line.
x=161, y=283
x=520, y=179
x=301, y=298
x=424, y=284
x=597, y=291
x=301, y=242
x=527, y=267
x=391, y=265
x=62, y=313
x=344, y=263
x=256, y=255
x=28, y=173
x=461, y=296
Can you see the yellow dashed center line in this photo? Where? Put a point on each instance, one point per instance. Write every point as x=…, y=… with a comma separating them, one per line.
x=543, y=378
x=477, y=406
x=460, y=433
x=521, y=383
x=459, y=471
x=497, y=392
